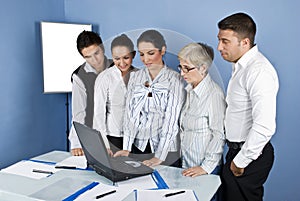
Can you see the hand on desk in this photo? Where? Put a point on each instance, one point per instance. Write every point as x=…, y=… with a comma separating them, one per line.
x=77, y=152
x=121, y=153
x=194, y=171
x=152, y=162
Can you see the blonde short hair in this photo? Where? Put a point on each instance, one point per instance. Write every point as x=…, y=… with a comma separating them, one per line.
x=196, y=54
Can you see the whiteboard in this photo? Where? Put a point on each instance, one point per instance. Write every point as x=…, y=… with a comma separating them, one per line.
x=60, y=54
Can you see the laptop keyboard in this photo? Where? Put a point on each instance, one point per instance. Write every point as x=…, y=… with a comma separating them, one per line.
x=121, y=166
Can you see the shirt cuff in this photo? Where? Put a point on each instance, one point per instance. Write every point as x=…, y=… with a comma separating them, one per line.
x=74, y=141
x=104, y=137
x=75, y=145
x=127, y=143
x=207, y=168
x=241, y=161
x=162, y=155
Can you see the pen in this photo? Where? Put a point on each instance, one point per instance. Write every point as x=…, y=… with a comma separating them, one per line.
x=176, y=193
x=105, y=194
x=42, y=171
x=65, y=167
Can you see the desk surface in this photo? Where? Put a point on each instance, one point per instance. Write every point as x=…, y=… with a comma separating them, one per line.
x=63, y=183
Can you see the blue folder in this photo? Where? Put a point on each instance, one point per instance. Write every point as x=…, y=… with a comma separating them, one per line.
x=81, y=191
x=161, y=184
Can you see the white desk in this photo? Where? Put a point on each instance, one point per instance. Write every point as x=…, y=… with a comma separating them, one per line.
x=63, y=183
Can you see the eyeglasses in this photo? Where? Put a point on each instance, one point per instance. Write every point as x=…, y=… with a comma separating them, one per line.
x=185, y=70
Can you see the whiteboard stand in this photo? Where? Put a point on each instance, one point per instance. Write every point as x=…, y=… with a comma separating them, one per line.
x=68, y=121
x=60, y=59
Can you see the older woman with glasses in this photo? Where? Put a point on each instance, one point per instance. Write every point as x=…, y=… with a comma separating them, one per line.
x=201, y=120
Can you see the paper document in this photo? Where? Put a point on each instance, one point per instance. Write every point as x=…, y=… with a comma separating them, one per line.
x=105, y=192
x=143, y=182
x=73, y=162
x=166, y=195
x=31, y=169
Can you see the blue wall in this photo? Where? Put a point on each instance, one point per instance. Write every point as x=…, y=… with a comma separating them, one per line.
x=32, y=122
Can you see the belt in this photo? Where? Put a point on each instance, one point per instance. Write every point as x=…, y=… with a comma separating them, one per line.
x=234, y=145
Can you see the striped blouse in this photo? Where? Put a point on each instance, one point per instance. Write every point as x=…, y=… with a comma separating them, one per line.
x=152, y=111
x=202, y=126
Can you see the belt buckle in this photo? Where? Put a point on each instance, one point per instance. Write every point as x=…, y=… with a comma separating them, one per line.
x=234, y=145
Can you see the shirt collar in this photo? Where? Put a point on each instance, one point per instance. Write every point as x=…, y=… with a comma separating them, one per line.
x=161, y=72
x=243, y=61
x=117, y=70
x=200, y=89
x=88, y=68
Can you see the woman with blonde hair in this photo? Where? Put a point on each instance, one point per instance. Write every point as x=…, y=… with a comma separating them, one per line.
x=201, y=120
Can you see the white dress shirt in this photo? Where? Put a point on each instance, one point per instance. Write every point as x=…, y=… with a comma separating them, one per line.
x=251, y=110
x=202, y=126
x=109, y=102
x=152, y=111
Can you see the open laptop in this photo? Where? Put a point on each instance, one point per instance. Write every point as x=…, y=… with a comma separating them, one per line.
x=113, y=168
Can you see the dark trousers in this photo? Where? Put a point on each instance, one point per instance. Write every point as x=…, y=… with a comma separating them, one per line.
x=249, y=186
x=116, y=143
x=217, y=171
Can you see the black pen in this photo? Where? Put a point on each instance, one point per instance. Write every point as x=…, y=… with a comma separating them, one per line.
x=105, y=194
x=65, y=167
x=176, y=193
x=42, y=171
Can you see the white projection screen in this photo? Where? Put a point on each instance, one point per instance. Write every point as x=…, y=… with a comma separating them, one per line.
x=60, y=55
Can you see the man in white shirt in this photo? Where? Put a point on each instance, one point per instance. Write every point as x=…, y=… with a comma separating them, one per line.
x=250, y=119
x=90, y=47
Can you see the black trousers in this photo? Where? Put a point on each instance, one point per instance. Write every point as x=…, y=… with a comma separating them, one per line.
x=249, y=186
x=116, y=143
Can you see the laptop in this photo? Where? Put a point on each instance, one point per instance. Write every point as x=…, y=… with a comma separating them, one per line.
x=113, y=168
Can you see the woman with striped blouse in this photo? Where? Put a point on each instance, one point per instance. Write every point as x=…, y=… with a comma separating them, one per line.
x=201, y=120
x=153, y=104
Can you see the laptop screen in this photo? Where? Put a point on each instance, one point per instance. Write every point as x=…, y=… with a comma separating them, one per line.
x=93, y=147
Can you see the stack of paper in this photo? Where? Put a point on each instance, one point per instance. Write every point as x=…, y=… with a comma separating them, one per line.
x=73, y=162
x=31, y=169
x=143, y=182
